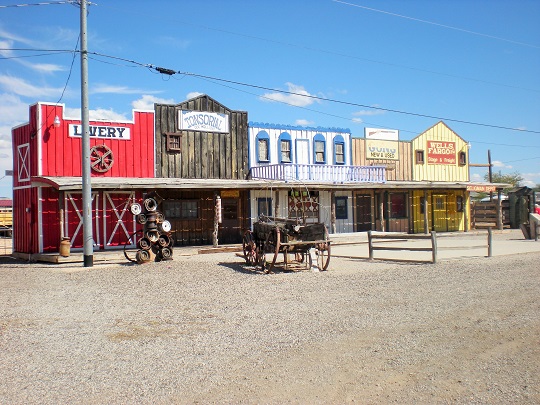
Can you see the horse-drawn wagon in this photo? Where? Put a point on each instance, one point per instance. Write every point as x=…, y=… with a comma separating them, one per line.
x=273, y=235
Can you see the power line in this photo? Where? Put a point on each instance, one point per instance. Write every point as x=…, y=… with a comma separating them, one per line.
x=437, y=24
x=170, y=72
x=331, y=52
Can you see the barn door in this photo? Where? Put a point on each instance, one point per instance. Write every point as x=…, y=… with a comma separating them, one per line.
x=73, y=228
x=440, y=212
x=118, y=221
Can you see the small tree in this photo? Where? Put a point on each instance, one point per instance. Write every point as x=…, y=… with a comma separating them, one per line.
x=513, y=178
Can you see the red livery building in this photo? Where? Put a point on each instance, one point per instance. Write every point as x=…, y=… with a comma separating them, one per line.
x=47, y=178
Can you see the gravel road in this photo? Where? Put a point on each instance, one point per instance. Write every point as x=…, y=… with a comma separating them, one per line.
x=207, y=329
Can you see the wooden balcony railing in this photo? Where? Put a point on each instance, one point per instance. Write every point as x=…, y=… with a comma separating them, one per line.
x=320, y=173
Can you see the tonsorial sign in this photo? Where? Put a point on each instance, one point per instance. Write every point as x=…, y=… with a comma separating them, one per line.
x=203, y=121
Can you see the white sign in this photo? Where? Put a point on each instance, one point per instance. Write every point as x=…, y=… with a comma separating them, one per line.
x=383, y=134
x=376, y=149
x=101, y=131
x=203, y=121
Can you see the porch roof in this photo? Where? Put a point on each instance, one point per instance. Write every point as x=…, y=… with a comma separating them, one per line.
x=131, y=183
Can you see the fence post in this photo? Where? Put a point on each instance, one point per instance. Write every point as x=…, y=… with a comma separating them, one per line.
x=490, y=242
x=370, y=244
x=434, y=246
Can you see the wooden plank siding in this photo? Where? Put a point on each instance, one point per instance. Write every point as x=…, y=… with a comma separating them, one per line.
x=395, y=169
x=203, y=155
x=439, y=172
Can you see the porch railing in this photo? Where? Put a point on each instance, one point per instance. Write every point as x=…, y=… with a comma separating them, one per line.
x=320, y=173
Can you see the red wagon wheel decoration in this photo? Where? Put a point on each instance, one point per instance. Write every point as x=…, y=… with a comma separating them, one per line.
x=101, y=158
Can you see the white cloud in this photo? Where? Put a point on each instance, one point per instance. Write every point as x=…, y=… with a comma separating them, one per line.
x=368, y=112
x=304, y=123
x=498, y=163
x=301, y=98
x=106, y=88
x=21, y=87
x=146, y=102
x=357, y=120
x=193, y=94
x=98, y=114
x=476, y=177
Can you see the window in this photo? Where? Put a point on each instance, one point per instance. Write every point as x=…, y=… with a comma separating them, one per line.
x=181, y=209
x=339, y=150
x=439, y=203
x=419, y=157
x=174, y=142
x=319, y=149
x=462, y=158
x=285, y=150
x=341, y=208
x=264, y=207
x=459, y=203
x=422, y=202
x=398, y=205
x=263, y=147
x=304, y=204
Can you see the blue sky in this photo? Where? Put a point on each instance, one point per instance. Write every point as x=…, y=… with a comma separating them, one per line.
x=461, y=61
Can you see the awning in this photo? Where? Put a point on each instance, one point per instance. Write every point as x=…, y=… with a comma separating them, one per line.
x=132, y=183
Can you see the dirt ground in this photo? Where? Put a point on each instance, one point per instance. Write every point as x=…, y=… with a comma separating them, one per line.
x=464, y=331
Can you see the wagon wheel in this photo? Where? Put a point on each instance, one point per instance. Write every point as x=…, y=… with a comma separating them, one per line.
x=250, y=248
x=101, y=158
x=272, y=241
x=323, y=255
x=304, y=257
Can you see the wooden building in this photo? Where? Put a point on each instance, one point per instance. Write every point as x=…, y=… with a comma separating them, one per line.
x=202, y=139
x=47, y=171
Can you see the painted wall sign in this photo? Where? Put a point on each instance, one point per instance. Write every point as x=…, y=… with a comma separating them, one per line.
x=441, y=153
x=383, y=134
x=377, y=149
x=101, y=131
x=481, y=188
x=203, y=121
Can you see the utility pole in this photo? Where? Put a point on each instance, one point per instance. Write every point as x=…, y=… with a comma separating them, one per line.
x=88, y=240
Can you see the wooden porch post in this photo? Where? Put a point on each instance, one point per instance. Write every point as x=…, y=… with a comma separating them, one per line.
x=276, y=204
x=217, y=212
x=466, y=211
x=426, y=218
x=499, y=210
x=382, y=212
x=333, y=211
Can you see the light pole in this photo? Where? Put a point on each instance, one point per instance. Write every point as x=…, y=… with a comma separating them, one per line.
x=88, y=241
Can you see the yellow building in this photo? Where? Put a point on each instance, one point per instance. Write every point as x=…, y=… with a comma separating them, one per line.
x=440, y=156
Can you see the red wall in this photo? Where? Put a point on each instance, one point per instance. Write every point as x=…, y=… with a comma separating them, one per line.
x=61, y=154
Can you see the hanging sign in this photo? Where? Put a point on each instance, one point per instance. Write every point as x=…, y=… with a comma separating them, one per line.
x=203, y=121
x=376, y=149
x=101, y=131
x=441, y=153
x=383, y=134
x=481, y=188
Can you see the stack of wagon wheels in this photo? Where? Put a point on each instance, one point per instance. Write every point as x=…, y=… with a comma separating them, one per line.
x=155, y=242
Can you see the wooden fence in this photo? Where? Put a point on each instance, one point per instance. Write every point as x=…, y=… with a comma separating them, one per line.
x=385, y=237
x=485, y=215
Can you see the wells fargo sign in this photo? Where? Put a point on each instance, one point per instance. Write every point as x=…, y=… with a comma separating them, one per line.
x=441, y=153
x=376, y=149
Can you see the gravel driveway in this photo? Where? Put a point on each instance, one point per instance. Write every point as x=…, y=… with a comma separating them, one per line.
x=207, y=329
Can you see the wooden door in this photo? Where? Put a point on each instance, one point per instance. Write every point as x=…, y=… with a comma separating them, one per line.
x=439, y=205
x=230, y=229
x=363, y=212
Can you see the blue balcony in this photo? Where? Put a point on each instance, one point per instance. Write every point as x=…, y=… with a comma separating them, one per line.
x=320, y=173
